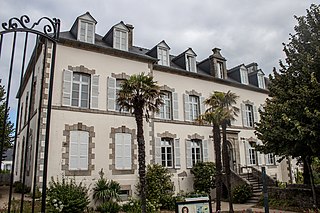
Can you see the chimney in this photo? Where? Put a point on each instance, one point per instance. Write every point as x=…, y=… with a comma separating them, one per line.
x=130, y=35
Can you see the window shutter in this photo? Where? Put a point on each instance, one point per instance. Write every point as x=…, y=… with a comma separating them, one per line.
x=259, y=158
x=111, y=94
x=202, y=106
x=255, y=114
x=205, y=150
x=83, y=150
x=177, y=153
x=186, y=107
x=247, y=146
x=157, y=151
x=94, y=92
x=118, y=151
x=188, y=154
x=66, y=90
x=73, y=150
x=127, y=151
x=175, y=106
x=244, y=116
x=193, y=64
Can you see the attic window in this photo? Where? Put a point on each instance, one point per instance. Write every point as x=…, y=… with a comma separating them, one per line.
x=120, y=39
x=86, y=32
x=190, y=63
x=163, y=56
x=244, y=76
x=261, y=83
x=219, y=70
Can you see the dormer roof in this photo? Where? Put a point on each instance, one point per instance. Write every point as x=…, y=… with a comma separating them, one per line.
x=86, y=16
x=153, y=52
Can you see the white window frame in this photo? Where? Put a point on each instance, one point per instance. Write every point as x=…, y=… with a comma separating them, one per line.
x=167, y=152
x=220, y=70
x=163, y=56
x=244, y=76
x=196, y=152
x=79, y=150
x=270, y=159
x=86, y=24
x=249, y=115
x=191, y=63
x=194, y=107
x=261, y=83
x=81, y=84
x=123, y=155
x=252, y=155
x=166, y=108
x=123, y=39
x=118, y=88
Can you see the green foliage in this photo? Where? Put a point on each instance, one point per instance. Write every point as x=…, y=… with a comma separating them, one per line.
x=134, y=206
x=204, y=173
x=18, y=187
x=241, y=193
x=27, y=206
x=109, y=207
x=159, y=188
x=106, y=190
x=8, y=132
x=67, y=196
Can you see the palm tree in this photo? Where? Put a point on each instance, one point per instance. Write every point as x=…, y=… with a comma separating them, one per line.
x=141, y=95
x=220, y=112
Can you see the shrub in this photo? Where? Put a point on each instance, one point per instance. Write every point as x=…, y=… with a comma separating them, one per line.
x=204, y=173
x=18, y=187
x=109, y=207
x=241, y=193
x=134, y=206
x=159, y=190
x=67, y=196
x=105, y=190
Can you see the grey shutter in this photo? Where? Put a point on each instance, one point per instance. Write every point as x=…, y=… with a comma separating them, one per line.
x=186, y=107
x=157, y=151
x=205, y=150
x=73, y=150
x=177, y=163
x=202, y=106
x=127, y=158
x=246, y=146
x=83, y=150
x=175, y=106
x=255, y=114
x=244, y=116
x=94, y=92
x=259, y=158
x=66, y=90
x=188, y=154
x=111, y=94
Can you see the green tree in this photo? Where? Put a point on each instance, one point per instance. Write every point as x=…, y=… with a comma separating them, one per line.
x=141, y=95
x=290, y=120
x=7, y=133
x=204, y=176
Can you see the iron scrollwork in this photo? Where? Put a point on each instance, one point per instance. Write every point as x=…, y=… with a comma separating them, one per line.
x=50, y=29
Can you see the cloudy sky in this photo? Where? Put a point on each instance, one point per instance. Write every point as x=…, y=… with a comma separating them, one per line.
x=246, y=30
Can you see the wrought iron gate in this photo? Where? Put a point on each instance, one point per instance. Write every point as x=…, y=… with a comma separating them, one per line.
x=27, y=61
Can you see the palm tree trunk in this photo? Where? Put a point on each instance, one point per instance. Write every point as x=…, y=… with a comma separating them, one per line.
x=306, y=172
x=314, y=194
x=217, y=150
x=141, y=158
x=226, y=163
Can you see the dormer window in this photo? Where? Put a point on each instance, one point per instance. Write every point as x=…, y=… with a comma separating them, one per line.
x=190, y=63
x=86, y=32
x=120, y=39
x=244, y=76
x=163, y=56
x=219, y=70
x=261, y=82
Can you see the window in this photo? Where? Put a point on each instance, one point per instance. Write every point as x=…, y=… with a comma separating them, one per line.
x=194, y=107
x=163, y=56
x=252, y=156
x=249, y=115
x=190, y=63
x=26, y=109
x=80, y=90
x=261, y=83
x=123, y=151
x=165, y=109
x=196, y=151
x=166, y=152
x=86, y=32
x=120, y=39
x=219, y=70
x=244, y=76
x=270, y=159
x=124, y=195
x=78, y=150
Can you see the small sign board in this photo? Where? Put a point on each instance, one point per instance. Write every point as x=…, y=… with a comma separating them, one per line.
x=193, y=205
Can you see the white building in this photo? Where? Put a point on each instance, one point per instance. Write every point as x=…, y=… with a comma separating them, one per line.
x=88, y=133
